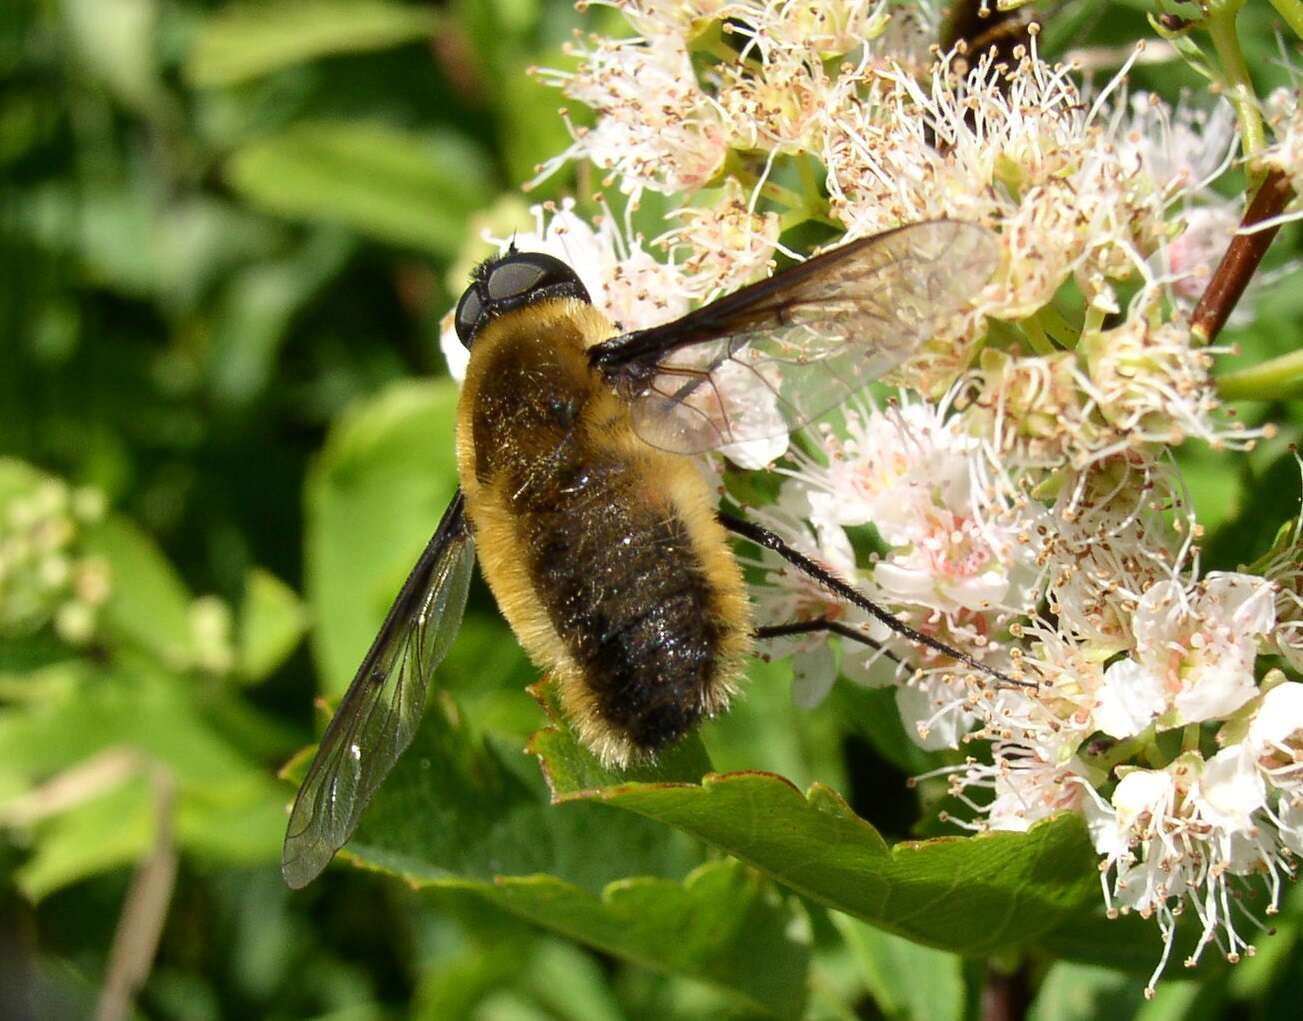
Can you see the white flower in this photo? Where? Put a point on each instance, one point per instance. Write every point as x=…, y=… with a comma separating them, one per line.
x=935, y=709
x=1284, y=567
x=1129, y=699
x=880, y=469
x=1188, y=831
x=1231, y=790
x=724, y=244
x=656, y=128
x=1274, y=746
x=1112, y=538
x=1201, y=643
x=1016, y=147
x=1028, y=789
x=1285, y=114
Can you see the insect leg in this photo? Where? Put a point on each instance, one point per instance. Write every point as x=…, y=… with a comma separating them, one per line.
x=766, y=539
x=805, y=627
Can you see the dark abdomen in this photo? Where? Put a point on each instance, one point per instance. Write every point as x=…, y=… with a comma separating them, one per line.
x=629, y=597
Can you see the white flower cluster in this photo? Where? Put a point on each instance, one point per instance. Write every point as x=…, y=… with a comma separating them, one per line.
x=1025, y=508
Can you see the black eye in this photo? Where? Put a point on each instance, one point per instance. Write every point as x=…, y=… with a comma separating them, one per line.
x=515, y=278
x=513, y=281
x=469, y=311
x=519, y=274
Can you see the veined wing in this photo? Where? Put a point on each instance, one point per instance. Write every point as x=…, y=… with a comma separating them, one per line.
x=781, y=352
x=379, y=714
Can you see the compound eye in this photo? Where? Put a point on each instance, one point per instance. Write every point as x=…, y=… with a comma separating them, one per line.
x=518, y=275
x=469, y=312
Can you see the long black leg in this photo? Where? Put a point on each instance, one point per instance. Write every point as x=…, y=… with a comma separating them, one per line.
x=805, y=627
x=766, y=539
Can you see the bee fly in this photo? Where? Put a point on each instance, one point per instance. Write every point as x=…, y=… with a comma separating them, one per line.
x=598, y=536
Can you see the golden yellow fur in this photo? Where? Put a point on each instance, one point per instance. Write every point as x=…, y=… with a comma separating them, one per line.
x=670, y=480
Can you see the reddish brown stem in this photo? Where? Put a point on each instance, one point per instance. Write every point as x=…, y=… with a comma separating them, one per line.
x=1242, y=256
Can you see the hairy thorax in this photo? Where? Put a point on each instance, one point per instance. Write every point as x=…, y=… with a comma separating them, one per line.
x=604, y=554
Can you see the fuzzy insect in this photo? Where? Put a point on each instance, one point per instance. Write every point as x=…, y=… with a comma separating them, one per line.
x=596, y=532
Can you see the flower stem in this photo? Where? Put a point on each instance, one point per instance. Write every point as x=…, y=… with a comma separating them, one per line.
x=1292, y=12
x=1037, y=338
x=1277, y=379
x=1221, y=27
x=1241, y=259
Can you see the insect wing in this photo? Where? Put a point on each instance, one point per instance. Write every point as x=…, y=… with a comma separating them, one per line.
x=784, y=351
x=378, y=716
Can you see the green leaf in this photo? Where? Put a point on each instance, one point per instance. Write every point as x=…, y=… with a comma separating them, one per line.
x=455, y=808
x=722, y=925
x=393, y=185
x=1185, y=1001
x=571, y=983
x=571, y=766
x=246, y=41
x=272, y=620
x=971, y=895
x=115, y=41
x=96, y=836
x=258, y=306
x=1079, y=992
x=227, y=808
x=374, y=497
x=1276, y=952
x=531, y=129
x=458, y=814
x=908, y=982
x=149, y=604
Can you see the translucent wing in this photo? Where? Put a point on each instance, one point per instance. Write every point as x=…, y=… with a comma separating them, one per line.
x=781, y=352
x=383, y=705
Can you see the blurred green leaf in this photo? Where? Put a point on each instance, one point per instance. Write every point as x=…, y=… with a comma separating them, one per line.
x=394, y=185
x=1128, y=943
x=801, y=745
x=872, y=712
x=112, y=830
x=1275, y=953
x=571, y=983
x=109, y=226
x=532, y=131
x=115, y=42
x=971, y=895
x=228, y=808
x=272, y=620
x=258, y=307
x=908, y=982
x=373, y=499
x=1215, y=479
x=245, y=41
x=1183, y=1001
x=1080, y=992
x=149, y=604
x=722, y=925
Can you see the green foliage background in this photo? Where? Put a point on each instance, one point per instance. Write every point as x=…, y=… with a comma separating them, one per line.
x=228, y=233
